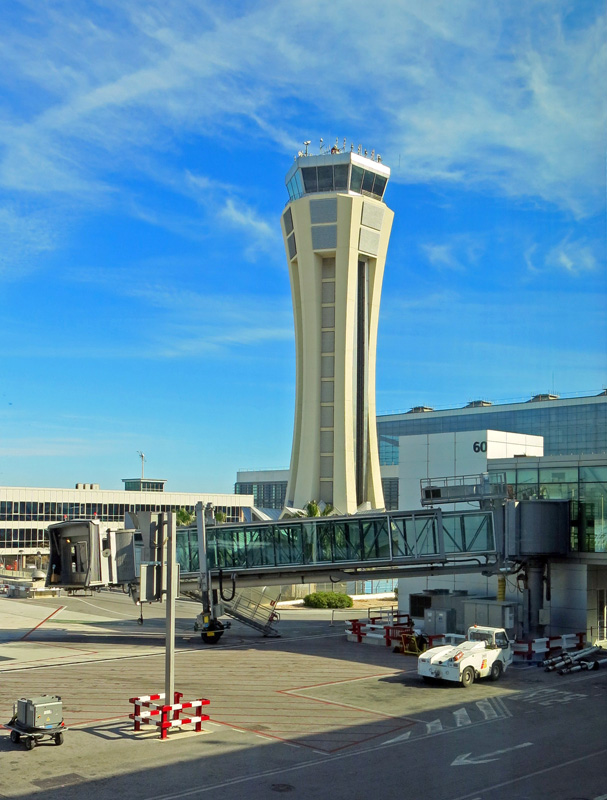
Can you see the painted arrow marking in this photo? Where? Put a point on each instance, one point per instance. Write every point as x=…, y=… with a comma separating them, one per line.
x=486, y=757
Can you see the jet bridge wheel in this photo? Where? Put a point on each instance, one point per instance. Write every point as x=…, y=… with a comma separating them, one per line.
x=213, y=633
x=467, y=677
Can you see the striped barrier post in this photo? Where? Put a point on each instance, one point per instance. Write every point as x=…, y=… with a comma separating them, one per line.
x=166, y=716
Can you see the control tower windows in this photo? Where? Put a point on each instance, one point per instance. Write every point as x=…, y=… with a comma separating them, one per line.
x=334, y=178
x=363, y=181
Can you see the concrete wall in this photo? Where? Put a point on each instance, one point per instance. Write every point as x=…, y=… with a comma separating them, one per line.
x=569, y=598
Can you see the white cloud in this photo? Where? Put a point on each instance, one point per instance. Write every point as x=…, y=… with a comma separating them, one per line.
x=459, y=254
x=574, y=256
x=500, y=96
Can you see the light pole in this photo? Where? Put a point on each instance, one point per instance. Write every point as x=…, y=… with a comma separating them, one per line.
x=172, y=590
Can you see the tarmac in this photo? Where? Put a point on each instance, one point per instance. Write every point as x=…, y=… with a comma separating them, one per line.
x=308, y=714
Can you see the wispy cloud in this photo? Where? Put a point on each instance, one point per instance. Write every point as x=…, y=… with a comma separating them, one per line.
x=459, y=253
x=493, y=95
x=571, y=255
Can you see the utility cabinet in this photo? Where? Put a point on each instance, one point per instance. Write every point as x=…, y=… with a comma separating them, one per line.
x=45, y=711
x=489, y=612
x=438, y=621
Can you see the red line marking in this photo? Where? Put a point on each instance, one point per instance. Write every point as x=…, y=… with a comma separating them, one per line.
x=42, y=623
x=342, y=680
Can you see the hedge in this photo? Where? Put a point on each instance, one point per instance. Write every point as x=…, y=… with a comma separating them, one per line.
x=328, y=600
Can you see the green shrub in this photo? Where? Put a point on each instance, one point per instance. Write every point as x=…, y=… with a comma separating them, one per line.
x=328, y=600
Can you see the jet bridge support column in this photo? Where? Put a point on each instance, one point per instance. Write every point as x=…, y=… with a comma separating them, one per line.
x=211, y=628
x=534, y=597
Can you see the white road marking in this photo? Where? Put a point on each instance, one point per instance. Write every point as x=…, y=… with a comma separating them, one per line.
x=435, y=726
x=461, y=718
x=486, y=757
x=402, y=738
x=561, y=765
x=486, y=709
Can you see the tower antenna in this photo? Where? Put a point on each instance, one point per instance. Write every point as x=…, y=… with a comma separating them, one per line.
x=142, y=457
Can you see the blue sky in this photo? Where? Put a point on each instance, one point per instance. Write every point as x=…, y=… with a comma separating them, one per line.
x=144, y=293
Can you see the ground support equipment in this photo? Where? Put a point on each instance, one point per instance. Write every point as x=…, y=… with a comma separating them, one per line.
x=31, y=736
x=166, y=716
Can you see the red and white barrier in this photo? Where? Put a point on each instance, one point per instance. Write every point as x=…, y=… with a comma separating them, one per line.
x=375, y=632
x=549, y=644
x=166, y=716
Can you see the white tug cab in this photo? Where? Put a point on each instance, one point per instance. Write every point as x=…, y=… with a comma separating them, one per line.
x=486, y=653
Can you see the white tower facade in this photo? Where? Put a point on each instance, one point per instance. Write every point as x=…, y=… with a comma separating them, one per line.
x=336, y=229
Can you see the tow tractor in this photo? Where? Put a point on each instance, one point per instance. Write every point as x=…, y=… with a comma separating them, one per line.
x=486, y=653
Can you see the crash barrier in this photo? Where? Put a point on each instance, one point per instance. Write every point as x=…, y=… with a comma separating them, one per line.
x=165, y=716
x=375, y=632
x=378, y=614
x=544, y=646
x=401, y=633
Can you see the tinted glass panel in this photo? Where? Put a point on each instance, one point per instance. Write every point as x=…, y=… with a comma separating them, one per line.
x=340, y=177
x=558, y=474
x=526, y=476
x=325, y=179
x=309, y=177
x=356, y=179
x=368, y=182
x=593, y=474
x=288, y=220
x=379, y=186
x=298, y=183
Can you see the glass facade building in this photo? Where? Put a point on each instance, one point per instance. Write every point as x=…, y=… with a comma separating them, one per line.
x=582, y=481
x=570, y=426
x=266, y=494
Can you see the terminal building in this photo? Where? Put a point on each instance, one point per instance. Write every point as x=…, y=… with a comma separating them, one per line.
x=26, y=512
x=573, y=426
x=544, y=449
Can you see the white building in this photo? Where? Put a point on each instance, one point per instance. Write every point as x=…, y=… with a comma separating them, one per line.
x=444, y=455
x=26, y=512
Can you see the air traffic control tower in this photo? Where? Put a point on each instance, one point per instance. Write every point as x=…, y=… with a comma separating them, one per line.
x=336, y=229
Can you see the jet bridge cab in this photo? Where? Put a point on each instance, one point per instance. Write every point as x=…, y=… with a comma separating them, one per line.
x=83, y=555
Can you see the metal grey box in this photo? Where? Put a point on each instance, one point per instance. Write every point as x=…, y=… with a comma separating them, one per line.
x=40, y=712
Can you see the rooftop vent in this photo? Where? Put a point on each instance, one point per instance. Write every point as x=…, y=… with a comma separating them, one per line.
x=478, y=404
x=419, y=409
x=539, y=398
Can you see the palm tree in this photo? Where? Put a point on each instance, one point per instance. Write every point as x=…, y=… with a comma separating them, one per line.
x=312, y=509
x=185, y=517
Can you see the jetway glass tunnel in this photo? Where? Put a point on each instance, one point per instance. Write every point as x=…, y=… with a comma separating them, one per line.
x=415, y=537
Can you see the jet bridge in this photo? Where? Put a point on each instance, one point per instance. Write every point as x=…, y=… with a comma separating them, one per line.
x=357, y=547
x=86, y=555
